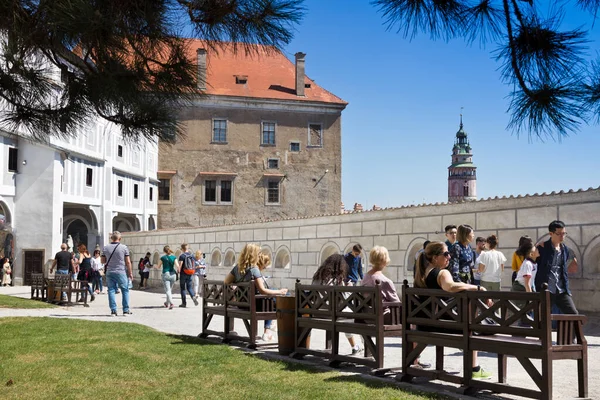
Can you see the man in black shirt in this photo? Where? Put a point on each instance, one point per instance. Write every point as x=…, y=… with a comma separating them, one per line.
x=553, y=266
x=62, y=261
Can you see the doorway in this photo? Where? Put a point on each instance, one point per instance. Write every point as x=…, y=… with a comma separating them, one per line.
x=33, y=263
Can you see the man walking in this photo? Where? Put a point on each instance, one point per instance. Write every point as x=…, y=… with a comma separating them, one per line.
x=62, y=263
x=354, y=261
x=553, y=265
x=187, y=261
x=117, y=265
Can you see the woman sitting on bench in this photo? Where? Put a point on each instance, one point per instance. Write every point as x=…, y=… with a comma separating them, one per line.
x=333, y=272
x=431, y=273
x=250, y=264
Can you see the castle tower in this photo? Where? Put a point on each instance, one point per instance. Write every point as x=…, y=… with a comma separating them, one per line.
x=462, y=177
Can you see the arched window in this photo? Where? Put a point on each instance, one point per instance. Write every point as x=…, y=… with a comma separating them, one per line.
x=229, y=258
x=283, y=258
x=215, y=258
x=328, y=250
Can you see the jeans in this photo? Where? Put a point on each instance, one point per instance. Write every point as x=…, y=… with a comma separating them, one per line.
x=63, y=272
x=196, y=281
x=168, y=279
x=185, y=283
x=114, y=281
x=97, y=282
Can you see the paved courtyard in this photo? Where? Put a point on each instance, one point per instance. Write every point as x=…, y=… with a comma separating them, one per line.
x=148, y=309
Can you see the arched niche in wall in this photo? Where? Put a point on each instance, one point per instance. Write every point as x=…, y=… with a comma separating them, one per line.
x=215, y=258
x=590, y=264
x=229, y=260
x=155, y=257
x=573, y=247
x=327, y=250
x=414, y=246
x=283, y=258
x=266, y=249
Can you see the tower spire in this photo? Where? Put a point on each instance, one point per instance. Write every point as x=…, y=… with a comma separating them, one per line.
x=461, y=124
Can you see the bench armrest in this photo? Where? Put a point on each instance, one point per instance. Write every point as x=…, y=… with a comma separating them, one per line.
x=395, y=308
x=564, y=317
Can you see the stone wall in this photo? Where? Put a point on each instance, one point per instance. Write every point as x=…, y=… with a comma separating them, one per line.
x=299, y=245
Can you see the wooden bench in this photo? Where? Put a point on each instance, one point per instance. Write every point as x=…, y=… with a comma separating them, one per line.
x=39, y=287
x=64, y=284
x=498, y=329
x=232, y=301
x=357, y=310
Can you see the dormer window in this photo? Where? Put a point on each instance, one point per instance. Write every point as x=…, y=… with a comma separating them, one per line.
x=241, y=79
x=307, y=85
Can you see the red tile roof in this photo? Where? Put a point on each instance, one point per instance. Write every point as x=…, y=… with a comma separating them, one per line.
x=270, y=74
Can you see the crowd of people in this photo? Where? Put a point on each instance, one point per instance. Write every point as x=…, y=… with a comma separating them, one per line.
x=452, y=266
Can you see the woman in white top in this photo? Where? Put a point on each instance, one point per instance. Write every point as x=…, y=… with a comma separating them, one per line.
x=98, y=269
x=525, y=279
x=491, y=264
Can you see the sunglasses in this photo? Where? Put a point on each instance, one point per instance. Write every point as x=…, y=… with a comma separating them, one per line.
x=445, y=254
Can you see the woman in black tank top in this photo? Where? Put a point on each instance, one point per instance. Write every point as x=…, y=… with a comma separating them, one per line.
x=431, y=273
x=85, y=268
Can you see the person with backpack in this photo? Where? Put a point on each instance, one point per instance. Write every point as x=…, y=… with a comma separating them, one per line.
x=187, y=261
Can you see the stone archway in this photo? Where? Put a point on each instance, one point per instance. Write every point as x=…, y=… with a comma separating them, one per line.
x=327, y=250
x=283, y=258
x=78, y=230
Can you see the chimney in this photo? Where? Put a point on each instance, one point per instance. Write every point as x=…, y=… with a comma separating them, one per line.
x=300, y=73
x=201, y=56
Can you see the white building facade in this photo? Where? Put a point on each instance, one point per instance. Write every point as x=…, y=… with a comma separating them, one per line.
x=83, y=187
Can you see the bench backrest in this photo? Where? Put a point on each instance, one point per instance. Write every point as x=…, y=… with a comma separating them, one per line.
x=513, y=313
x=241, y=295
x=37, y=280
x=62, y=282
x=349, y=302
x=434, y=309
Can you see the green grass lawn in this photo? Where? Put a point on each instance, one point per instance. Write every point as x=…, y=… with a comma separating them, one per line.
x=48, y=358
x=17, y=302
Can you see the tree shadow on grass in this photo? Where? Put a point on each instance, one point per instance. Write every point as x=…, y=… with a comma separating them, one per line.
x=289, y=364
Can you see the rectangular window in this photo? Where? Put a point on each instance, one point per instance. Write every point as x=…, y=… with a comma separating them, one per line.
x=89, y=177
x=268, y=134
x=210, y=191
x=151, y=194
x=120, y=188
x=135, y=191
x=295, y=146
x=225, y=191
x=119, y=151
x=13, y=157
x=273, y=163
x=164, y=189
x=315, y=135
x=219, y=131
x=273, y=192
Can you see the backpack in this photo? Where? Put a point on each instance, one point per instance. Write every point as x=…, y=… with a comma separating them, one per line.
x=189, y=264
x=141, y=264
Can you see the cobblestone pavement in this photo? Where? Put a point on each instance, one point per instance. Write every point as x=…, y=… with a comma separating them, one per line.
x=148, y=309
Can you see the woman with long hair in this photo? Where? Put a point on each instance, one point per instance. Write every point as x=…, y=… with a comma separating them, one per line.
x=98, y=272
x=333, y=272
x=431, y=273
x=85, y=269
x=170, y=268
x=247, y=268
x=518, y=257
x=491, y=265
x=462, y=259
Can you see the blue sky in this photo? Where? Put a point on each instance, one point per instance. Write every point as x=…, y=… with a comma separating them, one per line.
x=405, y=99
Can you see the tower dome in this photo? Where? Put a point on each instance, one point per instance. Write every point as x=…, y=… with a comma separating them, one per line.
x=462, y=177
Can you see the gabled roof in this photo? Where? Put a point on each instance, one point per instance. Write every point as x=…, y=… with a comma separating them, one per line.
x=270, y=74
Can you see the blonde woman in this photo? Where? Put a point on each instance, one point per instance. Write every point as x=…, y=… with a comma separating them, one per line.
x=379, y=258
x=248, y=267
x=431, y=273
x=170, y=268
x=200, y=270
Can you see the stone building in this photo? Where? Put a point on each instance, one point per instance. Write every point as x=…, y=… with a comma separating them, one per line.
x=262, y=143
x=82, y=187
x=462, y=175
